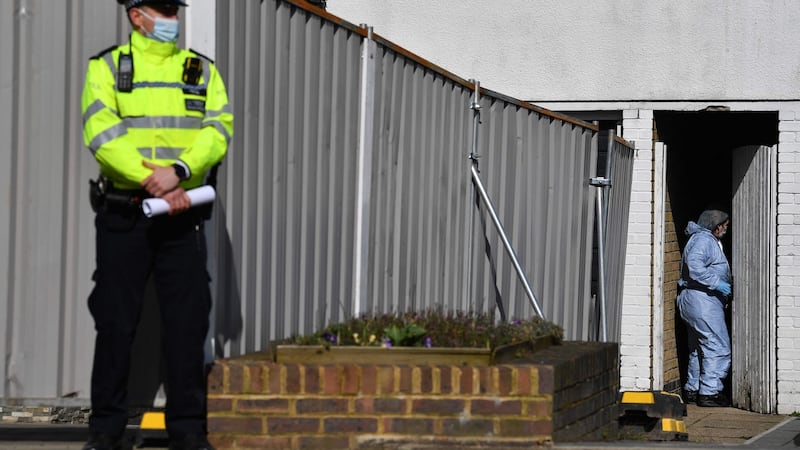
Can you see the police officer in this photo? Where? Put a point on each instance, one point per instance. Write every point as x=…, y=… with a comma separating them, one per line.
x=157, y=120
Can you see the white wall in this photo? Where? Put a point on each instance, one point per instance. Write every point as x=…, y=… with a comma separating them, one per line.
x=789, y=260
x=602, y=50
x=635, y=353
x=200, y=27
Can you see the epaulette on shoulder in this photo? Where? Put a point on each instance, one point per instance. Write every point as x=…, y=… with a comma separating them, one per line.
x=201, y=55
x=100, y=55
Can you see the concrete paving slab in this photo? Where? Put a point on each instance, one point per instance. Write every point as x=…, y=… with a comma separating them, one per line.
x=727, y=425
x=708, y=428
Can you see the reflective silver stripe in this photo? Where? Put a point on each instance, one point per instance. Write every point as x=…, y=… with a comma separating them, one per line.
x=168, y=152
x=109, y=59
x=186, y=123
x=218, y=125
x=161, y=152
x=194, y=88
x=216, y=112
x=107, y=136
x=95, y=108
x=166, y=84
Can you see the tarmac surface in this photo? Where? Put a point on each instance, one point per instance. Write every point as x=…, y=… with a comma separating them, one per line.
x=708, y=428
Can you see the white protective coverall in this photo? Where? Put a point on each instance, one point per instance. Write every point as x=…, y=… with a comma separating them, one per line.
x=703, y=267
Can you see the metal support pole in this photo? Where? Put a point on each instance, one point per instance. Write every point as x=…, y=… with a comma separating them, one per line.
x=601, y=183
x=473, y=157
x=364, y=170
x=476, y=180
x=601, y=250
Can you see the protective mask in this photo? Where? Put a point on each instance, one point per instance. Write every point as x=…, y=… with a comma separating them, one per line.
x=164, y=30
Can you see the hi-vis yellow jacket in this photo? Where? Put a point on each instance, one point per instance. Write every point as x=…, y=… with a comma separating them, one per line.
x=163, y=119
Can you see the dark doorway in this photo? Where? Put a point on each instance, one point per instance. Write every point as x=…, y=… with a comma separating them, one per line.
x=699, y=146
x=699, y=166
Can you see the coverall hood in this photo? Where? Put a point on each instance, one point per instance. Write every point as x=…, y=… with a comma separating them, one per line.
x=694, y=228
x=710, y=218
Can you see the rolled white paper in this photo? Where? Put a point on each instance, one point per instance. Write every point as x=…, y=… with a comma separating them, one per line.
x=197, y=196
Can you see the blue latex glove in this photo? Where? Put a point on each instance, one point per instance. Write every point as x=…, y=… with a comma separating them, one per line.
x=724, y=287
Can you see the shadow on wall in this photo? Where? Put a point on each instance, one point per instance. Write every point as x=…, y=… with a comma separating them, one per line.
x=226, y=320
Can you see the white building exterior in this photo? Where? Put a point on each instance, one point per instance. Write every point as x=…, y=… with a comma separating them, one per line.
x=630, y=61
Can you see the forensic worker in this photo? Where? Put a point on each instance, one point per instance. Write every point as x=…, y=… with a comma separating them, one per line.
x=705, y=287
x=157, y=120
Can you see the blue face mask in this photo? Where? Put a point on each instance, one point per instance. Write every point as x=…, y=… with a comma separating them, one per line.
x=164, y=30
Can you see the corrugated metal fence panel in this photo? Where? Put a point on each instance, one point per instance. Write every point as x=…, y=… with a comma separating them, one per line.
x=420, y=171
x=536, y=170
x=619, y=196
x=8, y=153
x=421, y=194
x=47, y=232
x=284, y=257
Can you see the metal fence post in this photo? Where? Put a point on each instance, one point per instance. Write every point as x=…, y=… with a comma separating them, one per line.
x=365, y=149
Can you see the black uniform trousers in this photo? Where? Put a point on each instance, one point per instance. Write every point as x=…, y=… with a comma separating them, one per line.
x=131, y=247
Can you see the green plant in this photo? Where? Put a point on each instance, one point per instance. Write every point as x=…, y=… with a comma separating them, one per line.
x=429, y=328
x=406, y=336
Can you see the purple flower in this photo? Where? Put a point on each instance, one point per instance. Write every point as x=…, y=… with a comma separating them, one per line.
x=329, y=337
x=428, y=342
x=386, y=342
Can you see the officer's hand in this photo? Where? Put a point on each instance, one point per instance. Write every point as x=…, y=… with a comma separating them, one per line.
x=178, y=201
x=161, y=181
x=724, y=287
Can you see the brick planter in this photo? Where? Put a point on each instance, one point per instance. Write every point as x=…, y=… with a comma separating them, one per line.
x=563, y=393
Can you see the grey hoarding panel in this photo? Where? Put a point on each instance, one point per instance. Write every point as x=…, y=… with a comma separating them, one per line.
x=46, y=237
x=288, y=184
x=616, y=164
x=293, y=77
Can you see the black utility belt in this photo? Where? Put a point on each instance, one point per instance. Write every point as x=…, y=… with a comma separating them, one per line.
x=695, y=286
x=123, y=197
x=104, y=196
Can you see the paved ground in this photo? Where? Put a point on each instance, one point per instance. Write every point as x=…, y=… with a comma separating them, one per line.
x=727, y=425
x=710, y=428
x=718, y=428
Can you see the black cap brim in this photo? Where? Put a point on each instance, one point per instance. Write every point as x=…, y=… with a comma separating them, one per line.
x=134, y=3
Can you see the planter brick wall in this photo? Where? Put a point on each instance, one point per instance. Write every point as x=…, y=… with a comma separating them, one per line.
x=564, y=393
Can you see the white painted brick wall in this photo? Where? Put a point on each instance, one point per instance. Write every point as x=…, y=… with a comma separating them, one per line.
x=635, y=346
x=788, y=289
